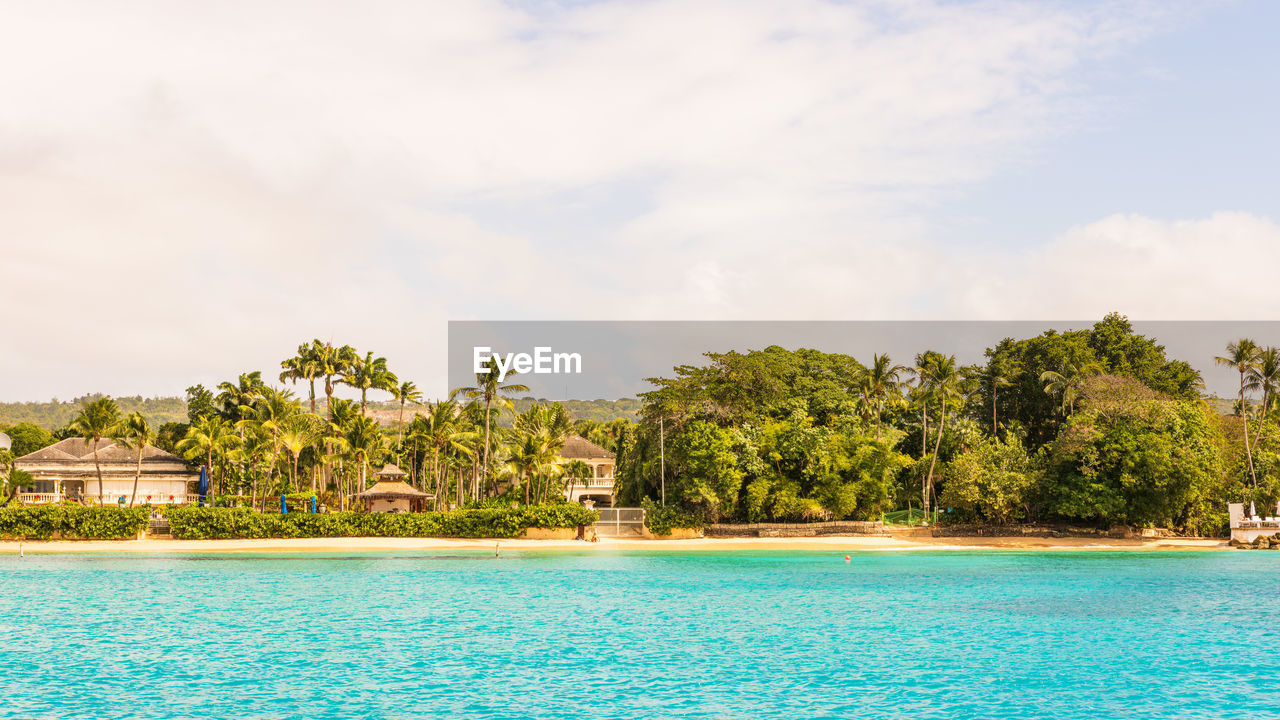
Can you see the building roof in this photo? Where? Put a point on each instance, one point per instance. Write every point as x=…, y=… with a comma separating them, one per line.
x=580, y=448
x=80, y=450
x=394, y=489
x=391, y=470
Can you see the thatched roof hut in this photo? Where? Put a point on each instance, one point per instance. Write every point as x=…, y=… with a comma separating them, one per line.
x=392, y=494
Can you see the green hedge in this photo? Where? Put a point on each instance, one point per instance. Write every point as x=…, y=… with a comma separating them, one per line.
x=660, y=520
x=196, y=523
x=72, y=522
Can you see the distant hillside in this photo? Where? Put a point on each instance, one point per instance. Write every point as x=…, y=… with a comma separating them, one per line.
x=386, y=413
x=57, y=413
x=598, y=410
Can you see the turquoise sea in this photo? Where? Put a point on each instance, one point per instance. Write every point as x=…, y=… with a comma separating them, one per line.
x=643, y=635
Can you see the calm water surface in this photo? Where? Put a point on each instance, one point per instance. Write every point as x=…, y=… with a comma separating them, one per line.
x=543, y=635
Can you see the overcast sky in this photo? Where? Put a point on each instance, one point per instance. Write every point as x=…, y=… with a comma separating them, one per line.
x=188, y=190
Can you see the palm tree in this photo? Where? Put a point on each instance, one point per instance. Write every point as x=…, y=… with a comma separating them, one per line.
x=999, y=373
x=1068, y=381
x=370, y=373
x=1265, y=377
x=882, y=379
x=208, y=437
x=270, y=412
x=237, y=401
x=136, y=434
x=332, y=363
x=533, y=456
x=304, y=366
x=405, y=392
x=1242, y=356
x=297, y=433
x=444, y=434
x=943, y=379
x=551, y=427
x=923, y=393
x=98, y=419
x=365, y=443
x=489, y=389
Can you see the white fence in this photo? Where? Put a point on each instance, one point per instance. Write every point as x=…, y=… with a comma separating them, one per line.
x=620, y=521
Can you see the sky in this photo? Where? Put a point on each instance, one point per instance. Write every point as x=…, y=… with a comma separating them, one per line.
x=190, y=190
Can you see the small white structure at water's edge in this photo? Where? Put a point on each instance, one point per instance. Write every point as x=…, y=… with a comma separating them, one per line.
x=1247, y=527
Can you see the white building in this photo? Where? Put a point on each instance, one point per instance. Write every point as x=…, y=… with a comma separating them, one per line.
x=599, y=488
x=66, y=471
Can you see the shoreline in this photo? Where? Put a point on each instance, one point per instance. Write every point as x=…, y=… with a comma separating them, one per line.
x=835, y=544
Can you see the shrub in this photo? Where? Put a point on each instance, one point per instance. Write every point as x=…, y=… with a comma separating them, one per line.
x=72, y=522
x=661, y=520
x=196, y=523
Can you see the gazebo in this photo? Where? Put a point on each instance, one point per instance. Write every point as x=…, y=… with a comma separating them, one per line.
x=392, y=494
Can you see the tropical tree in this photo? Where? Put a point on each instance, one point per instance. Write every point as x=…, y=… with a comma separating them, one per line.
x=1264, y=377
x=534, y=456
x=365, y=443
x=1000, y=372
x=369, y=373
x=332, y=364
x=208, y=438
x=270, y=412
x=444, y=434
x=405, y=392
x=881, y=381
x=136, y=434
x=304, y=366
x=98, y=419
x=1068, y=382
x=944, y=380
x=1242, y=356
x=489, y=390
x=297, y=433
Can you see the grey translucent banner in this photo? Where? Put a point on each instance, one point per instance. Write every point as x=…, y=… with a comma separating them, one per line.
x=613, y=358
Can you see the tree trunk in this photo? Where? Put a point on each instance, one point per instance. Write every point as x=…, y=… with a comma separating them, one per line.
x=400, y=426
x=136, y=476
x=99, y=468
x=942, y=426
x=1244, y=415
x=995, y=426
x=312, y=381
x=488, y=406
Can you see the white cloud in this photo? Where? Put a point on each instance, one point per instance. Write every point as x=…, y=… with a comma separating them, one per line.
x=1213, y=268
x=191, y=189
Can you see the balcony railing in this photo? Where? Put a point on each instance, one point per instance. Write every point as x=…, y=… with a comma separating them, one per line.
x=110, y=499
x=39, y=498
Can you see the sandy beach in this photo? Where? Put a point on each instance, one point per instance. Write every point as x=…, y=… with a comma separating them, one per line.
x=827, y=544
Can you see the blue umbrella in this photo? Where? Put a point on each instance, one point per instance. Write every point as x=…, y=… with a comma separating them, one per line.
x=204, y=484
x=284, y=505
x=313, y=504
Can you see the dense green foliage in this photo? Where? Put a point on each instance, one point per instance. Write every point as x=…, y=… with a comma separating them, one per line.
x=28, y=438
x=1092, y=427
x=72, y=522
x=662, y=519
x=991, y=482
x=1132, y=456
x=768, y=435
x=195, y=523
